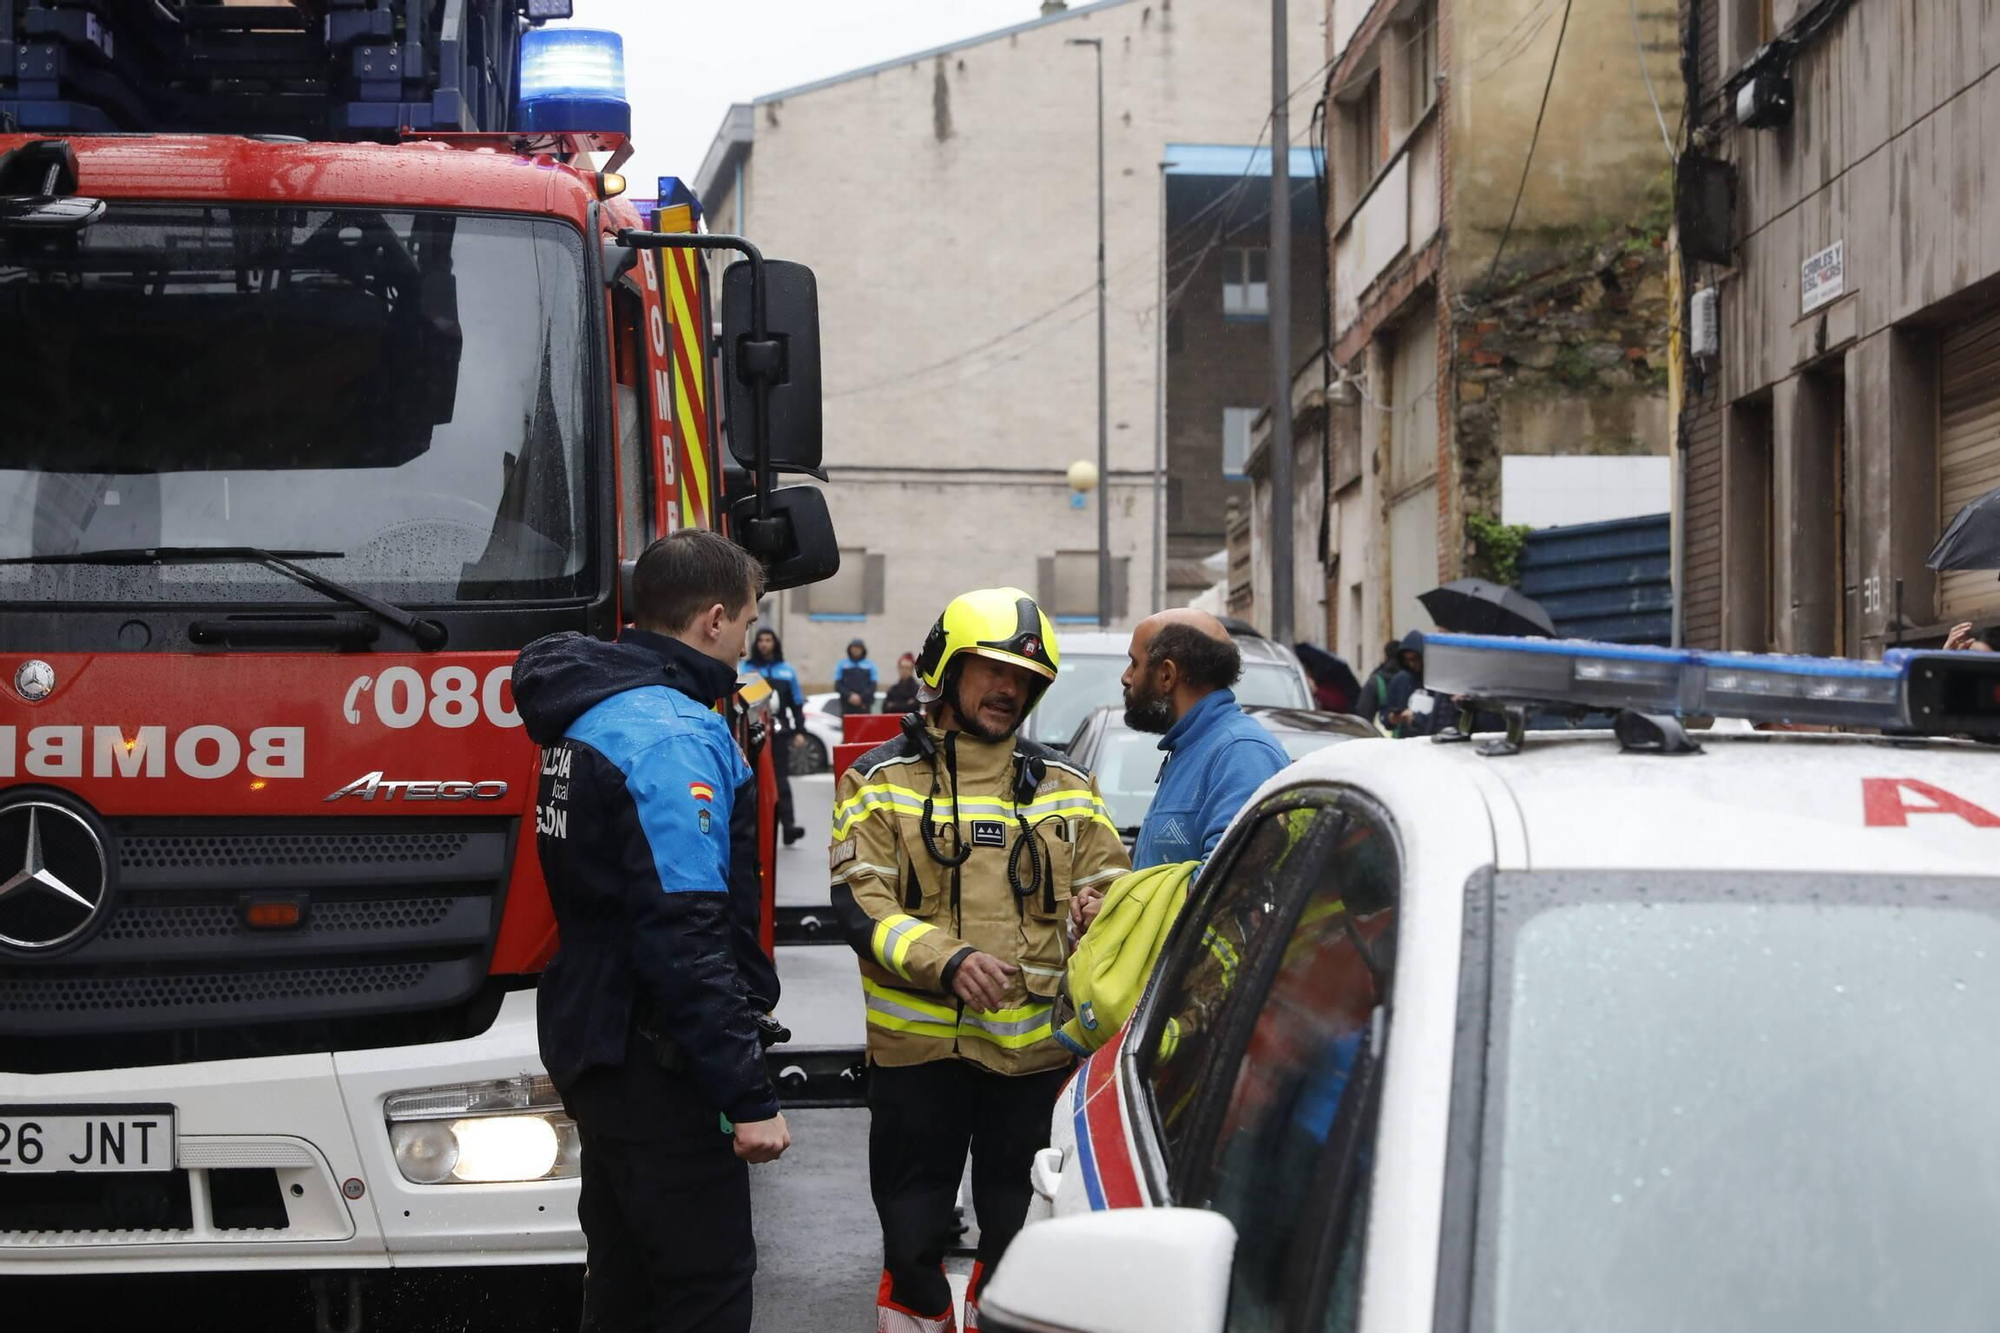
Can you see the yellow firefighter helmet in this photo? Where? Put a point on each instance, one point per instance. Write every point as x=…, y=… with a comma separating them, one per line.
x=1001, y=623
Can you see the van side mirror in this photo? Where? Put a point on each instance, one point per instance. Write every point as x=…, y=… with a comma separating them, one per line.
x=787, y=358
x=1128, y=1270
x=794, y=541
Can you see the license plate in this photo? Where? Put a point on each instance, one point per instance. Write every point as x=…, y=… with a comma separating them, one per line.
x=50, y=1139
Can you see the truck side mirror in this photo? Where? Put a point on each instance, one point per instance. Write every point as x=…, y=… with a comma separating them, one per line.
x=788, y=357
x=795, y=542
x=38, y=184
x=1172, y=1267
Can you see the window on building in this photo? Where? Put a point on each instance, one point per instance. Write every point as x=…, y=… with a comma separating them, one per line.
x=1236, y=423
x=1246, y=290
x=1067, y=585
x=858, y=589
x=1747, y=25
x=1360, y=138
x=1418, y=35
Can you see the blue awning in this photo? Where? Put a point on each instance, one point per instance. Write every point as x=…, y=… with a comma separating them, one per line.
x=1230, y=184
x=1233, y=161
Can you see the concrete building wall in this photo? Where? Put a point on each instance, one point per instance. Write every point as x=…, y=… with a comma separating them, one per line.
x=1600, y=160
x=948, y=206
x=1826, y=420
x=1561, y=350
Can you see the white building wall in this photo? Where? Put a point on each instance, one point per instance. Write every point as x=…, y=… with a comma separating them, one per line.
x=944, y=203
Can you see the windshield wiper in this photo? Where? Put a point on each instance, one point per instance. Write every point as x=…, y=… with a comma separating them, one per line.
x=428, y=634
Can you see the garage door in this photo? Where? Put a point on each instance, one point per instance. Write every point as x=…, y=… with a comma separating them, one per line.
x=1968, y=450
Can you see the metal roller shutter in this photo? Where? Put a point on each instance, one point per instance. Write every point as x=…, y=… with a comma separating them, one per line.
x=1968, y=449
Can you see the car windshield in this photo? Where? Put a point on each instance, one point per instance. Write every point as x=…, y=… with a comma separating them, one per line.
x=1759, y=1102
x=1274, y=683
x=1127, y=766
x=403, y=391
x=1082, y=682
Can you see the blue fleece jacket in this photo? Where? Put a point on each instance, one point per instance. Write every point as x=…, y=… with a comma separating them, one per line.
x=1217, y=757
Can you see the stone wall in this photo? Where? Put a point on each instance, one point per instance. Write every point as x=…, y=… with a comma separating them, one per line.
x=1570, y=360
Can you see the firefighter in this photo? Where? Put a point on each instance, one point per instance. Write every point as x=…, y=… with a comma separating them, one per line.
x=649, y=1012
x=956, y=849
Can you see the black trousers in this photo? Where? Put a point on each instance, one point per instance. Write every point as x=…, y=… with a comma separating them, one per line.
x=665, y=1209
x=923, y=1118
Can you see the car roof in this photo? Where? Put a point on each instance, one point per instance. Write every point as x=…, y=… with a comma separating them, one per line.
x=1092, y=643
x=1096, y=643
x=1754, y=802
x=1263, y=650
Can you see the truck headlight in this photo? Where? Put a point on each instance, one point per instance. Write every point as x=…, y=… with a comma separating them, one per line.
x=508, y=1130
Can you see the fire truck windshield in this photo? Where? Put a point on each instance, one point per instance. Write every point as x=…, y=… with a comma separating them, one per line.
x=407, y=389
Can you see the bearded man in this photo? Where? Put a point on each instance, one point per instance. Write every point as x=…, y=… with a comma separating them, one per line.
x=1178, y=686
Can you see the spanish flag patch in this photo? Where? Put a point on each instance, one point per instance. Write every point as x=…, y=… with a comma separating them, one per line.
x=701, y=791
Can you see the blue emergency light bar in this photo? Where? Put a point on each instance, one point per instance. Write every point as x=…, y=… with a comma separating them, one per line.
x=572, y=82
x=1932, y=693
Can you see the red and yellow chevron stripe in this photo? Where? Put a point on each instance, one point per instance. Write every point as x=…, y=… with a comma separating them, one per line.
x=685, y=314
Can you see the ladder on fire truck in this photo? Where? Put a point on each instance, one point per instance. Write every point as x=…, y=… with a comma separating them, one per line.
x=311, y=69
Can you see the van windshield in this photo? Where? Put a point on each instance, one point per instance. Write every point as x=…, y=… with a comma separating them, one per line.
x=404, y=392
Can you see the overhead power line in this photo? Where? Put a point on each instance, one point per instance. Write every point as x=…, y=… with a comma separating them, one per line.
x=1183, y=231
x=1533, y=139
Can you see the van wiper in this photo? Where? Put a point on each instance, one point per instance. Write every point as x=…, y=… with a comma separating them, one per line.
x=428, y=634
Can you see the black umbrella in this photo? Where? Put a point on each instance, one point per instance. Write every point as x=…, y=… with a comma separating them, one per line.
x=1328, y=669
x=1474, y=606
x=1972, y=540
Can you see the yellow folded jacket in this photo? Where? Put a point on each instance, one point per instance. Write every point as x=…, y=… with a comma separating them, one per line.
x=1114, y=959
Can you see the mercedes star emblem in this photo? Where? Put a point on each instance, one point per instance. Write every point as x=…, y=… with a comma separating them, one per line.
x=35, y=681
x=56, y=877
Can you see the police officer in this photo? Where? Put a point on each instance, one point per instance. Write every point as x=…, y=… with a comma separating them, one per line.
x=956, y=849
x=788, y=720
x=648, y=1017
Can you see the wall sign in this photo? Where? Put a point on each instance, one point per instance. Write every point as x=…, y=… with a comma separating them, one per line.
x=1823, y=278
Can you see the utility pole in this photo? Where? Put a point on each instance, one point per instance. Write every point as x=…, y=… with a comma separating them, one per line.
x=1278, y=272
x=1103, y=382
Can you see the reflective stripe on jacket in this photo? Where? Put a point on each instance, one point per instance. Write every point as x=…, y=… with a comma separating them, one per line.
x=912, y=920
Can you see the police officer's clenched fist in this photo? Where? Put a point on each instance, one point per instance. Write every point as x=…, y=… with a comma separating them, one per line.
x=763, y=1140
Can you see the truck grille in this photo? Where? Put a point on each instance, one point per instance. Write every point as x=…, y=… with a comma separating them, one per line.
x=400, y=917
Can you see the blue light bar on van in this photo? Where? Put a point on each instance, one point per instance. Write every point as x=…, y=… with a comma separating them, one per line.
x=1607, y=677
x=572, y=81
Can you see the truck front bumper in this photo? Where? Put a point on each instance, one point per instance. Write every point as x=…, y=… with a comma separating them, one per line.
x=316, y=1123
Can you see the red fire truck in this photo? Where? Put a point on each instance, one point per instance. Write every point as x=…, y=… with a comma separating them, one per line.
x=335, y=370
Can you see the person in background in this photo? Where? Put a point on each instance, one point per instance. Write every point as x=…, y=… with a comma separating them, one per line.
x=902, y=696
x=856, y=680
x=1404, y=713
x=788, y=719
x=649, y=1012
x=1962, y=638
x=1182, y=665
x=1375, y=690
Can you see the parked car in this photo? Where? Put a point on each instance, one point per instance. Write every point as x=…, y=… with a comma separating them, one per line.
x=1092, y=664
x=1127, y=762
x=1572, y=1036
x=822, y=714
